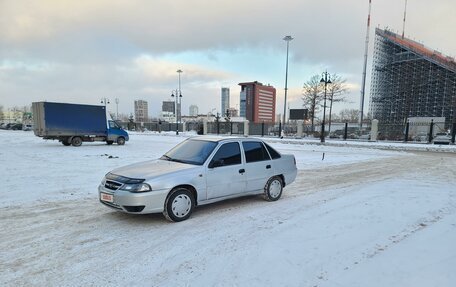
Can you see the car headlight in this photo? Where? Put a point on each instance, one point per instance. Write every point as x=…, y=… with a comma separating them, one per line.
x=139, y=187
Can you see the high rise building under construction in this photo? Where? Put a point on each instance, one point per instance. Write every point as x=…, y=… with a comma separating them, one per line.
x=410, y=80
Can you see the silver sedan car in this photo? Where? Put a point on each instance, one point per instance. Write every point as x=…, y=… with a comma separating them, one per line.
x=198, y=171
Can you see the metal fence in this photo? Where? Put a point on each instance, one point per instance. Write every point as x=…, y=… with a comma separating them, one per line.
x=225, y=128
x=414, y=132
x=154, y=126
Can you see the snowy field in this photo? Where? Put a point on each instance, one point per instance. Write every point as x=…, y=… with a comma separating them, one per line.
x=365, y=215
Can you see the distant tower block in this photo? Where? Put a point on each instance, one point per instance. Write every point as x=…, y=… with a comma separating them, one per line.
x=225, y=99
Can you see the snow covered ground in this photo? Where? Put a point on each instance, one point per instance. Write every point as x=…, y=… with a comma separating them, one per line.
x=365, y=215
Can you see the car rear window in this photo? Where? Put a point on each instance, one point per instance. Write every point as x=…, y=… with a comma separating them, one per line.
x=274, y=154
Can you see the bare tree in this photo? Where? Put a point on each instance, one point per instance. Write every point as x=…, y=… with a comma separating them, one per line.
x=124, y=117
x=349, y=115
x=336, y=92
x=335, y=117
x=312, y=96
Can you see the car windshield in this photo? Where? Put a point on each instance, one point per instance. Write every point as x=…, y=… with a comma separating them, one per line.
x=190, y=151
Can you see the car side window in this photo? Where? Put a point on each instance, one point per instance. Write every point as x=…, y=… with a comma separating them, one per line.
x=227, y=154
x=274, y=154
x=113, y=125
x=255, y=151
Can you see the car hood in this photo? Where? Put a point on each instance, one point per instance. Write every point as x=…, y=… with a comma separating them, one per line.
x=151, y=169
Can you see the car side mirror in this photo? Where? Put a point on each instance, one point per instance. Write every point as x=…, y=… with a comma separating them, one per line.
x=216, y=163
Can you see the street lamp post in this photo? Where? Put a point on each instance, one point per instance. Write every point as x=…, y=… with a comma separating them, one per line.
x=326, y=80
x=180, y=96
x=287, y=39
x=104, y=101
x=178, y=101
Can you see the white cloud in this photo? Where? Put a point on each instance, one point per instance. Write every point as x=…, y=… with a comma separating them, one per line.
x=157, y=69
x=132, y=48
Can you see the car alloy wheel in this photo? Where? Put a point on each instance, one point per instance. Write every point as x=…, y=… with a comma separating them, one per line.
x=273, y=189
x=179, y=205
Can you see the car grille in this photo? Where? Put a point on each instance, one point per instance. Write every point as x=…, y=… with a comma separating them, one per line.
x=112, y=185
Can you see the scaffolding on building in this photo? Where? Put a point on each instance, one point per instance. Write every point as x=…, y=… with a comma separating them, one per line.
x=410, y=80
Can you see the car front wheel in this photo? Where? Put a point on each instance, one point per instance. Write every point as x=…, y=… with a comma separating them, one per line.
x=273, y=189
x=120, y=141
x=179, y=205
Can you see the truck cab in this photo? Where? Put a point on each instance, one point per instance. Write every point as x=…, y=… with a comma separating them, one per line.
x=116, y=134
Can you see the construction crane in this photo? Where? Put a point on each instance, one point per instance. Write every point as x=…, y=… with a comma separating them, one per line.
x=403, y=24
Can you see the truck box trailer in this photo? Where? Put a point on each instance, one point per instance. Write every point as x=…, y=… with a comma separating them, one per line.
x=72, y=124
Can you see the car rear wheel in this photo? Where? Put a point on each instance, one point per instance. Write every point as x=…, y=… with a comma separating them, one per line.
x=273, y=189
x=179, y=205
x=65, y=142
x=76, y=141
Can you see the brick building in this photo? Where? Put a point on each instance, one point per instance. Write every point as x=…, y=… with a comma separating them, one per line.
x=257, y=102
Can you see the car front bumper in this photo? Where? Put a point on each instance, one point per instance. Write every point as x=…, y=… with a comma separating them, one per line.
x=137, y=203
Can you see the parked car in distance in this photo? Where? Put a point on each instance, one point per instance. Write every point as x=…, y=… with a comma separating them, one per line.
x=27, y=127
x=7, y=126
x=365, y=137
x=15, y=127
x=198, y=171
x=442, y=138
x=421, y=137
x=337, y=134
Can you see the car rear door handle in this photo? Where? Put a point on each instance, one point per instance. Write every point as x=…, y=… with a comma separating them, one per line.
x=268, y=166
x=241, y=170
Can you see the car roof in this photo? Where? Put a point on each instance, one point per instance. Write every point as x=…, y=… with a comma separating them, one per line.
x=225, y=138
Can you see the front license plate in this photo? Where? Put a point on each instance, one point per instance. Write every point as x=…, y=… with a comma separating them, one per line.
x=107, y=197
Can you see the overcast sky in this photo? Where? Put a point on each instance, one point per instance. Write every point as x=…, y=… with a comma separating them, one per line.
x=82, y=51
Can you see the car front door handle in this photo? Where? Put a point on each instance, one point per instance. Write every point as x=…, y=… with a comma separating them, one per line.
x=268, y=166
x=241, y=170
